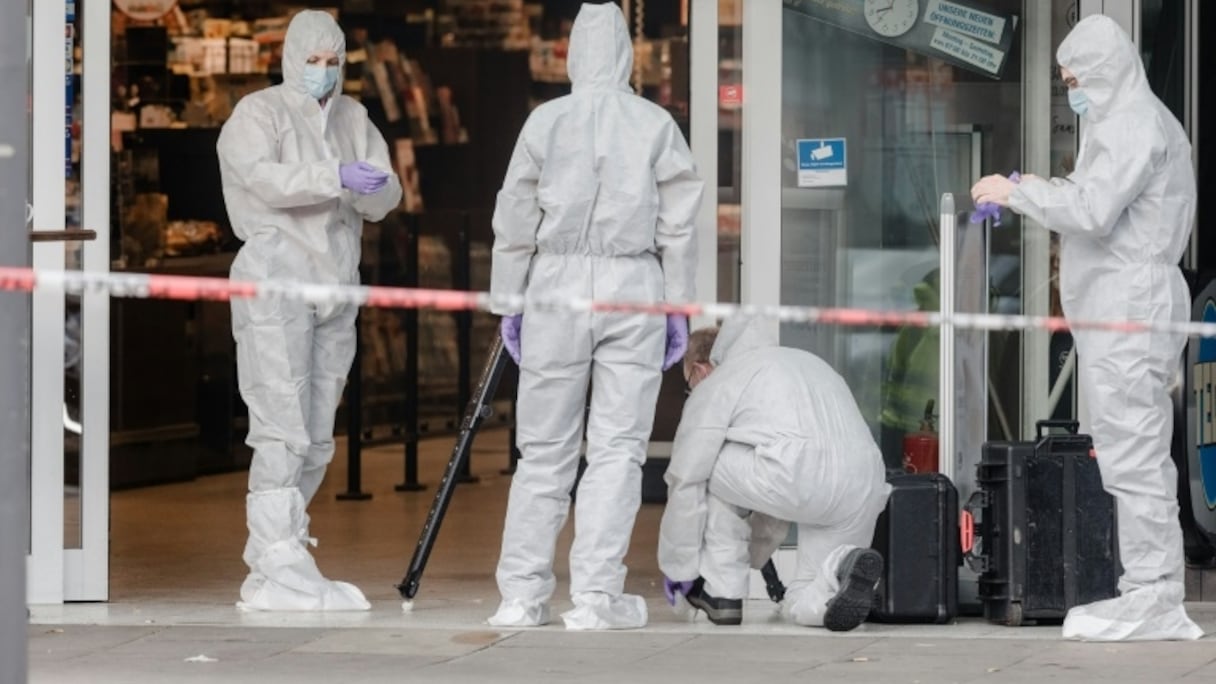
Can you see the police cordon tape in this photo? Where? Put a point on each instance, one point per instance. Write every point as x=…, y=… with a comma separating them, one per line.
x=191, y=288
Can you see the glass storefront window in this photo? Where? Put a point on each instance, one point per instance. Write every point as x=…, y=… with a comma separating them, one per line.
x=730, y=146
x=909, y=125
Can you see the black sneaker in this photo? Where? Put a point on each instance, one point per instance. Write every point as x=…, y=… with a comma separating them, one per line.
x=859, y=573
x=720, y=611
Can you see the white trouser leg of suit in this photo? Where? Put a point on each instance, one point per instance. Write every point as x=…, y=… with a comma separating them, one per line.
x=291, y=365
x=333, y=352
x=553, y=377
x=724, y=564
x=838, y=521
x=558, y=359
x=1125, y=379
x=625, y=379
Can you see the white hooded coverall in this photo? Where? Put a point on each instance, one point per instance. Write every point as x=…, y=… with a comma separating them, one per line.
x=772, y=436
x=598, y=203
x=279, y=155
x=1124, y=218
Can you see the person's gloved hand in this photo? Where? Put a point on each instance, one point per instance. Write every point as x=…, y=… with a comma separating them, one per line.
x=362, y=177
x=671, y=588
x=990, y=194
x=677, y=339
x=509, y=329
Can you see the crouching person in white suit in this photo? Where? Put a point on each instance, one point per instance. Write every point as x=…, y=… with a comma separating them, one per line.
x=770, y=436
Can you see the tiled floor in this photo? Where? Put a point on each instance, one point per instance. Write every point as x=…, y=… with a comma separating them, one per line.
x=176, y=568
x=184, y=541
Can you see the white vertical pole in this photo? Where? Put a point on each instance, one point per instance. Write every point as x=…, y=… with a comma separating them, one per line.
x=46, y=393
x=87, y=571
x=1038, y=59
x=946, y=391
x=703, y=134
x=761, y=178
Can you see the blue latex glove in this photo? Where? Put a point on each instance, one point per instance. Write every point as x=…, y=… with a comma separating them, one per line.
x=671, y=588
x=509, y=329
x=992, y=210
x=677, y=339
x=362, y=177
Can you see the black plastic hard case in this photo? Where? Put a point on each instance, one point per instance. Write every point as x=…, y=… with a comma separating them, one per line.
x=1046, y=535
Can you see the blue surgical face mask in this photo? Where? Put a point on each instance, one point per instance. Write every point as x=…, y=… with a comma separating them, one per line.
x=319, y=79
x=1078, y=100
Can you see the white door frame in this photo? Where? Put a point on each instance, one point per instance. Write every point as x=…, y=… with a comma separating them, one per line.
x=760, y=214
x=57, y=574
x=703, y=139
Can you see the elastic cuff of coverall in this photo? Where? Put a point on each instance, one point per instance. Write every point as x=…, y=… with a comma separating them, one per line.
x=503, y=310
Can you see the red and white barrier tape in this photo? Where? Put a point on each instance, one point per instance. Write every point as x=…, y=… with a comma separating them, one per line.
x=188, y=288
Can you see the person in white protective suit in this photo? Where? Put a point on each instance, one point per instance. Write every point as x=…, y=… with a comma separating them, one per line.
x=302, y=169
x=598, y=203
x=770, y=436
x=1124, y=218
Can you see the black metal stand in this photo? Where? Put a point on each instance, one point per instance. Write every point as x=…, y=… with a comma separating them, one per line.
x=477, y=411
x=463, y=280
x=354, y=424
x=410, y=418
x=772, y=582
x=512, y=449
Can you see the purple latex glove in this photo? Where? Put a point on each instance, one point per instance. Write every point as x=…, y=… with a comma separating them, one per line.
x=992, y=210
x=677, y=339
x=671, y=588
x=987, y=210
x=509, y=329
x=362, y=177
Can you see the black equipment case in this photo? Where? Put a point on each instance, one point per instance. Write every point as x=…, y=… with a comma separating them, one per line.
x=918, y=537
x=1046, y=529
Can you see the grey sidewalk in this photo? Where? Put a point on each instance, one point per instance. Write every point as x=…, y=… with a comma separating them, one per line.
x=172, y=589
x=445, y=641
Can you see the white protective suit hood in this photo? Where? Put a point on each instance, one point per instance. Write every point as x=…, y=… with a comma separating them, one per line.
x=1107, y=66
x=740, y=335
x=311, y=31
x=601, y=54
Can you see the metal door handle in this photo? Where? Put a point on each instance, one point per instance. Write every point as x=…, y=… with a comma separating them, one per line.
x=62, y=235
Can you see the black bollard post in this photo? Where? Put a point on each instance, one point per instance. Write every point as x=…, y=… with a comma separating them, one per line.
x=410, y=418
x=354, y=423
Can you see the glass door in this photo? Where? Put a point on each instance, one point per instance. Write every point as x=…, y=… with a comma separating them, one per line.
x=69, y=398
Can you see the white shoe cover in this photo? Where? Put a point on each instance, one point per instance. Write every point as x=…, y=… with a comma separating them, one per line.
x=519, y=613
x=1142, y=614
x=283, y=574
x=595, y=610
x=287, y=578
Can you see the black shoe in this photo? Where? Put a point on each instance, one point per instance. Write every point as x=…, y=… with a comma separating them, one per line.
x=858, y=574
x=720, y=611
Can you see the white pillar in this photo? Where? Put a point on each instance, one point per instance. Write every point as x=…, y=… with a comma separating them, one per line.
x=14, y=344
x=761, y=177
x=703, y=134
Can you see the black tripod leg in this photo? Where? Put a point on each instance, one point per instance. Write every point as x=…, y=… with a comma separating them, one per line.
x=477, y=411
x=772, y=583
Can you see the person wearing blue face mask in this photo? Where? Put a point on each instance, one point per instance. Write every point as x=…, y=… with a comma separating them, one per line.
x=1077, y=99
x=302, y=168
x=1124, y=217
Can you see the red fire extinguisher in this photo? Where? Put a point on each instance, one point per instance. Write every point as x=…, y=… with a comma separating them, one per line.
x=920, y=448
